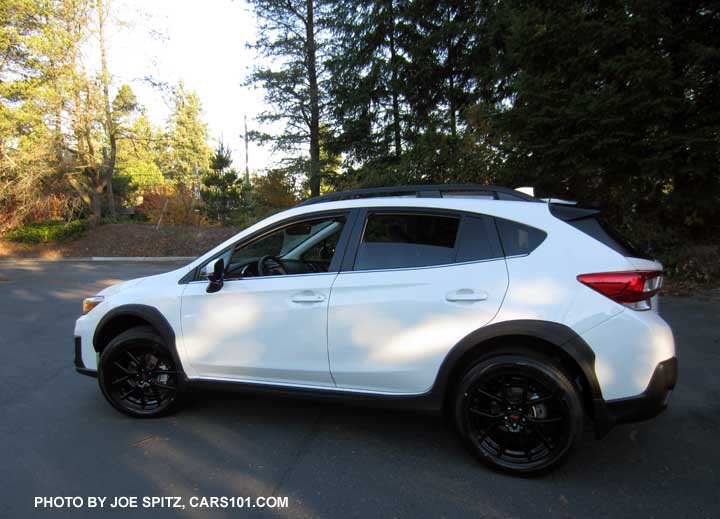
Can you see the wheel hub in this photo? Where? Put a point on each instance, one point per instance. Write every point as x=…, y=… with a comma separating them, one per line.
x=515, y=419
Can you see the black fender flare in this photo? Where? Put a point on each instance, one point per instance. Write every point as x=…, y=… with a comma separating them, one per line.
x=556, y=334
x=147, y=313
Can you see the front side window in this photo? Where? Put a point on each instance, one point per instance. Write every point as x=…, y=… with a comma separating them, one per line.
x=407, y=240
x=304, y=247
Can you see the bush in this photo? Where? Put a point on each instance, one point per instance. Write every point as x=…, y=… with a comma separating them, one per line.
x=45, y=232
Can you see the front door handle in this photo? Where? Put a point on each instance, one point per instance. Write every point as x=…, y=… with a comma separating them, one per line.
x=466, y=294
x=308, y=297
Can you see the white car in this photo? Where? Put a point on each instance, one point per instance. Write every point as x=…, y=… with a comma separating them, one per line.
x=513, y=316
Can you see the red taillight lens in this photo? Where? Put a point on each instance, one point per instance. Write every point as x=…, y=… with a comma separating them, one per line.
x=624, y=287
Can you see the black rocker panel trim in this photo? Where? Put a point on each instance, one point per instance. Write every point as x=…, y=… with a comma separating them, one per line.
x=425, y=402
x=150, y=315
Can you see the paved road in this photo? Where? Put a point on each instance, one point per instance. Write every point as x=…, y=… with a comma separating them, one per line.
x=60, y=438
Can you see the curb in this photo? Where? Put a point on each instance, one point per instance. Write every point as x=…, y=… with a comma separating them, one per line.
x=136, y=259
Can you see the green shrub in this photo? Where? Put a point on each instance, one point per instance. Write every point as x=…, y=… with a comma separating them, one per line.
x=45, y=232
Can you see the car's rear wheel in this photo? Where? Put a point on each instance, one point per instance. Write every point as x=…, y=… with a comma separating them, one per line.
x=518, y=413
x=137, y=374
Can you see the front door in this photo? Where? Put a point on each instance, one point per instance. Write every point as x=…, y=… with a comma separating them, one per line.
x=268, y=322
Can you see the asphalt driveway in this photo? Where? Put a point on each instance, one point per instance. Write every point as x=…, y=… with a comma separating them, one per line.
x=60, y=438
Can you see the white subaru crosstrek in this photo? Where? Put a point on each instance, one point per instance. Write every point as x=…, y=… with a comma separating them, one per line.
x=515, y=317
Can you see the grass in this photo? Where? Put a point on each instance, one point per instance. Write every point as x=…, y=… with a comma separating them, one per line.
x=46, y=232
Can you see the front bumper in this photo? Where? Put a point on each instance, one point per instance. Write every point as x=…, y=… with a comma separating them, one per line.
x=79, y=364
x=644, y=406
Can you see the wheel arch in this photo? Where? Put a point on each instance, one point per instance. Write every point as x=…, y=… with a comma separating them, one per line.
x=549, y=339
x=124, y=317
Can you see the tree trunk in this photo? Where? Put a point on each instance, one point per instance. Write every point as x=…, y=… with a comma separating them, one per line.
x=314, y=102
x=109, y=159
x=96, y=205
x=394, y=86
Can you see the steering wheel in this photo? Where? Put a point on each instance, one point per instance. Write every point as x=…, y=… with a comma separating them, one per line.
x=273, y=268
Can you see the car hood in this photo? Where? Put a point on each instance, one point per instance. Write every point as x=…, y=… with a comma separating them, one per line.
x=114, y=289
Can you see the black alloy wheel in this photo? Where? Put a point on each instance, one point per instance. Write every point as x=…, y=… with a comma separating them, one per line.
x=138, y=375
x=519, y=414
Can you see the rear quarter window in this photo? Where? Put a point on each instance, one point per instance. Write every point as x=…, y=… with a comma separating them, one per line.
x=519, y=239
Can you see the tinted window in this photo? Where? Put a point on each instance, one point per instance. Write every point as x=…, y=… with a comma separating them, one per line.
x=518, y=239
x=591, y=222
x=407, y=240
x=478, y=239
x=605, y=234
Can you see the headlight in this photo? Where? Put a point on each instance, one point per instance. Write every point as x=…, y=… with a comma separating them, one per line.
x=91, y=302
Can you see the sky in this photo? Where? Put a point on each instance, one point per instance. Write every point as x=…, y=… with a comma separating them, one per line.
x=204, y=45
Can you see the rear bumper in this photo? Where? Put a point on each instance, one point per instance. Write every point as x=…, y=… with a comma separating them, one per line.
x=644, y=406
x=79, y=364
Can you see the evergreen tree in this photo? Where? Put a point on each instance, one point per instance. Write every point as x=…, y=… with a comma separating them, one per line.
x=288, y=36
x=188, y=154
x=222, y=189
x=615, y=103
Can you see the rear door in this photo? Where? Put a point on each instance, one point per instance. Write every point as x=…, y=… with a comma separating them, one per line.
x=414, y=282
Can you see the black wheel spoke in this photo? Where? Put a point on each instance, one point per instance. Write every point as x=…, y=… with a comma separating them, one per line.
x=156, y=393
x=128, y=393
x=491, y=396
x=121, y=379
x=163, y=386
x=486, y=415
x=123, y=368
x=137, y=362
x=542, y=437
x=163, y=372
x=545, y=420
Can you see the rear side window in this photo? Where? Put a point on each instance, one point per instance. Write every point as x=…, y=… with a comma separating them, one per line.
x=478, y=240
x=602, y=232
x=591, y=222
x=407, y=240
x=519, y=239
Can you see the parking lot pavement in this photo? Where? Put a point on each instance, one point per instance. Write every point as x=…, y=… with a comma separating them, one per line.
x=60, y=438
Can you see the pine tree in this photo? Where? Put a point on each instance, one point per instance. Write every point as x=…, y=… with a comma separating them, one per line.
x=288, y=36
x=222, y=189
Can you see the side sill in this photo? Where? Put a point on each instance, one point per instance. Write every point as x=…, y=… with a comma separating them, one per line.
x=428, y=402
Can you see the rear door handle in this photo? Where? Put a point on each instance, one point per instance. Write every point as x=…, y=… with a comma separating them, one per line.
x=308, y=297
x=466, y=294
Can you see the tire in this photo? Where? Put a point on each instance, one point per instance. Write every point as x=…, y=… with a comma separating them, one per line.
x=138, y=376
x=518, y=414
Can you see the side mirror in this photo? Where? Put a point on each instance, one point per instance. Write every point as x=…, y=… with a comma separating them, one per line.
x=216, y=275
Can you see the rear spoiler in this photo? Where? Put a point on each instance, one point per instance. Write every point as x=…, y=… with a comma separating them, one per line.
x=568, y=213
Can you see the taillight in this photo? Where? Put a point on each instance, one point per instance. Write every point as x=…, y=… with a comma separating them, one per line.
x=633, y=288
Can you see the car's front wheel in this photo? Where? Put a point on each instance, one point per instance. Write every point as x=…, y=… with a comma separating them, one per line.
x=518, y=413
x=137, y=374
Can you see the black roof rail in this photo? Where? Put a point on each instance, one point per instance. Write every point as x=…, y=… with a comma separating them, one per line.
x=422, y=191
